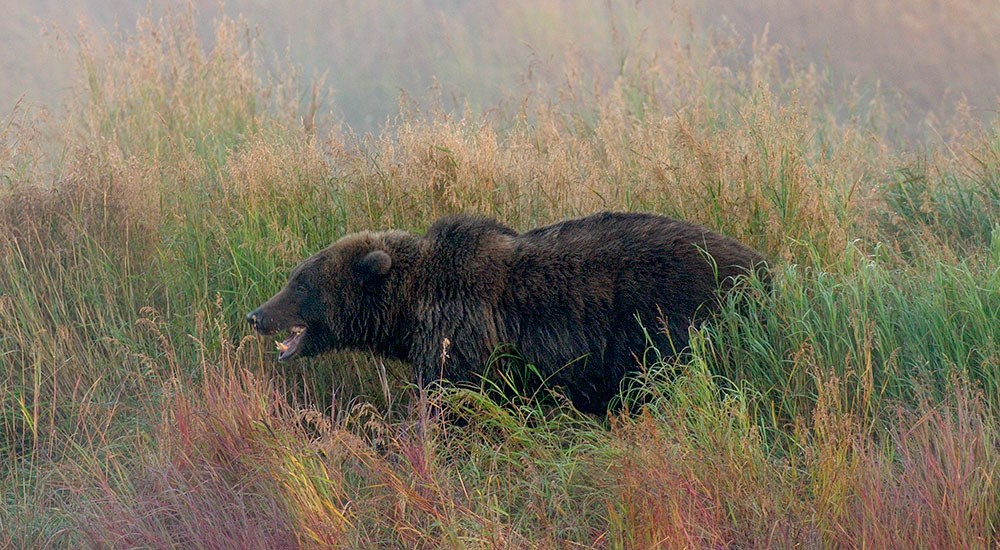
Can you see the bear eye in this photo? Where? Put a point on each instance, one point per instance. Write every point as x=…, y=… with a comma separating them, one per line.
x=301, y=289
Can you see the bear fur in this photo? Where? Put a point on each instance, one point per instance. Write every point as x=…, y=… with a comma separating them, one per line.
x=580, y=299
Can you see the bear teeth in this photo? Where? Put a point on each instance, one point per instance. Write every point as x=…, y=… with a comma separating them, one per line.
x=295, y=334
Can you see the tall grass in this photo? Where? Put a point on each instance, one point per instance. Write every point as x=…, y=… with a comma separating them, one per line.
x=889, y=334
x=854, y=405
x=927, y=54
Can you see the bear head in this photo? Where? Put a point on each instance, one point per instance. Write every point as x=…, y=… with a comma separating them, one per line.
x=332, y=300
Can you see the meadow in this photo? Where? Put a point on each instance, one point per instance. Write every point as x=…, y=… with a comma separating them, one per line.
x=855, y=405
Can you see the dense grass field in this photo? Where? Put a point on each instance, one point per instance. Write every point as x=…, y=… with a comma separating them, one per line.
x=856, y=405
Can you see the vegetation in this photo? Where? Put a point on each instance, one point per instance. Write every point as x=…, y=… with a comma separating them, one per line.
x=856, y=405
x=925, y=54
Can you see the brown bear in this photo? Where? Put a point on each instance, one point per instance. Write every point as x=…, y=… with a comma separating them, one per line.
x=580, y=300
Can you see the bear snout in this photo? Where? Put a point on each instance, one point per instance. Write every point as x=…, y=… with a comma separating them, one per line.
x=252, y=319
x=256, y=320
x=269, y=319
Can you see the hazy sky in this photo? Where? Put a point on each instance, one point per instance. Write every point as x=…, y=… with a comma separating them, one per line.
x=930, y=51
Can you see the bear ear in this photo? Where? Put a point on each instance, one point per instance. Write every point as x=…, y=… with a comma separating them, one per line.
x=375, y=264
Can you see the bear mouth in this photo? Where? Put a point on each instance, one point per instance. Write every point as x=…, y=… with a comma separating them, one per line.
x=291, y=346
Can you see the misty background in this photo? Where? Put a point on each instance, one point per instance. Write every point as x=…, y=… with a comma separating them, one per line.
x=929, y=58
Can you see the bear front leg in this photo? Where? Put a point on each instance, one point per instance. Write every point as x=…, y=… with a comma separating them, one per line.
x=430, y=359
x=456, y=360
x=454, y=343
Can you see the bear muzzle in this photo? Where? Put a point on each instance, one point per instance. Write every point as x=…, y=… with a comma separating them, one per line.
x=255, y=319
x=266, y=325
